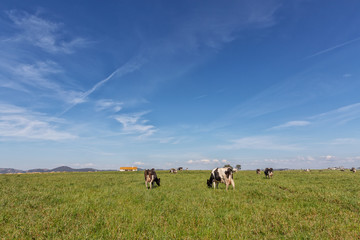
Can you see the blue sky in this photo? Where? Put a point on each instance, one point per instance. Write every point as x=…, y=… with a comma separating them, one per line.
x=164, y=84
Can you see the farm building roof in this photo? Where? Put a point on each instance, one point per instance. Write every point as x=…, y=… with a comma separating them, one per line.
x=128, y=168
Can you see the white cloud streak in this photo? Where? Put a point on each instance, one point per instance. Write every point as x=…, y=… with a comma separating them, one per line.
x=139, y=163
x=133, y=124
x=340, y=115
x=42, y=33
x=39, y=76
x=83, y=165
x=204, y=26
x=345, y=141
x=108, y=104
x=17, y=122
x=207, y=161
x=260, y=143
x=127, y=68
x=292, y=124
x=333, y=48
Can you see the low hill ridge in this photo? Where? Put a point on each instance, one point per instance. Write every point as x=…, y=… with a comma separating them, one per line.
x=57, y=169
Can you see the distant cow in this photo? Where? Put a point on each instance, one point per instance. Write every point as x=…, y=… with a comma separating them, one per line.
x=353, y=170
x=307, y=170
x=258, y=171
x=151, y=177
x=223, y=175
x=173, y=170
x=269, y=172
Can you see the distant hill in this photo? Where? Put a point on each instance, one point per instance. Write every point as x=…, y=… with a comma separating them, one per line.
x=58, y=169
x=10, y=170
x=69, y=169
x=38, y=170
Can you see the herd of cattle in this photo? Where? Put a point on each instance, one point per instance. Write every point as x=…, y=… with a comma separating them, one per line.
x=218, y=175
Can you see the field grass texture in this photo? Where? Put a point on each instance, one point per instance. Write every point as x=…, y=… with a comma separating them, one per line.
x=116, y=205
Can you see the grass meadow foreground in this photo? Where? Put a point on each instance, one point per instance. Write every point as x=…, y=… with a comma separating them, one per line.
x=116, y=205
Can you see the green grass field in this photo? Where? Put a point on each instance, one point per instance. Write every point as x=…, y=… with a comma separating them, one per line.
x=116, y=205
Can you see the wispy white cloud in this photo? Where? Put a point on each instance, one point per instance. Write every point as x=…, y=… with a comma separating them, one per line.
x=340, y=115
x=139, y=163
x=39, y=76
x=17, y=122
x=205, y=27
x=333, y=48
x=11, y=109
x=130, y=66
x=170, y=140
x=106, y=104
x=43, y=33
x=200, y=97
x=206, y=161
x=305, y=158
x=296, y=162
x=83, y=165
x=292, y=124
x=261, y=143
x=133, y=124
x=328, y=157
x=345, y=141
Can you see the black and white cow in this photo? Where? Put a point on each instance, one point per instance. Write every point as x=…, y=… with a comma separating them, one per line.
x=269, y=172
x=353, y=170
x=173, y=170
x=258, y=171
x=151, y=177
x=223, y=175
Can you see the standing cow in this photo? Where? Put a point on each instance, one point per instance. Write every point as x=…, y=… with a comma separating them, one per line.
x=268, y=172
x=223, y=175
x=258, y=171
x=151, y=177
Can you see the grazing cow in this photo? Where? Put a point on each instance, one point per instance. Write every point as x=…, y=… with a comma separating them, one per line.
x=307, y=170
x=224, y=175
x=258, y=171
x=151, y=177
x=173, y=170
x=353, y=170
x=268, y=172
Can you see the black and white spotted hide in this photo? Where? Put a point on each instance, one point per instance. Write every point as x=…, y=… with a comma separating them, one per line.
x=268, y=172
x=223, y=175
x=151, y=177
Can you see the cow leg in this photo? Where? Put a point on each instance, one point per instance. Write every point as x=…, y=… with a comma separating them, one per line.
x=233, y=184
x=146, y=185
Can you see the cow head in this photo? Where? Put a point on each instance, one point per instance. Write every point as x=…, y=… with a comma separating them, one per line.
x=157, y=180
x=209, y=182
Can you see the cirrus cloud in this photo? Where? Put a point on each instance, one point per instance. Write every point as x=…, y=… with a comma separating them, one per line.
x=42, y=33
x=17, y=122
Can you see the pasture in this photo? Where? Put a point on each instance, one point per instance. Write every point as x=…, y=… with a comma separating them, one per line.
x=116, y=205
